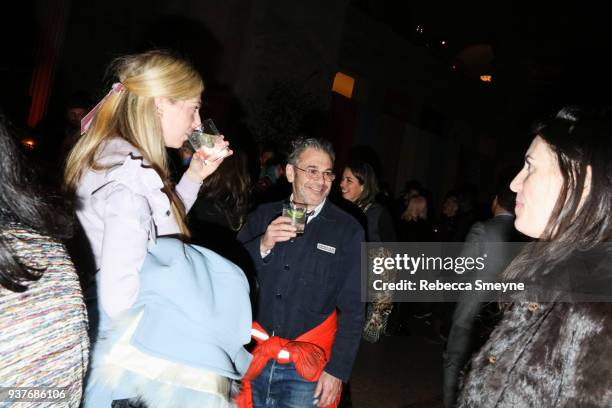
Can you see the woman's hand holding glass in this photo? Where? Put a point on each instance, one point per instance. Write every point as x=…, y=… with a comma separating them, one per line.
x=210, y=150
x=203, y=164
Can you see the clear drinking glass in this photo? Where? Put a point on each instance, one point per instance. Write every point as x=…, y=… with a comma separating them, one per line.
x=208, y=138
x=297, y=214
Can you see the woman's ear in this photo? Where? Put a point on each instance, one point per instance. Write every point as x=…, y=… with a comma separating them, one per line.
x=160, y=104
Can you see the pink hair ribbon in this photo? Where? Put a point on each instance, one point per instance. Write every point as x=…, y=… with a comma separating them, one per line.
x=87, y=119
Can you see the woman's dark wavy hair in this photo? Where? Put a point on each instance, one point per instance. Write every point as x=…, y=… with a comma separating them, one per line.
x=580, y=141
x=229, y=188
x=22, y=204
x=365, y=175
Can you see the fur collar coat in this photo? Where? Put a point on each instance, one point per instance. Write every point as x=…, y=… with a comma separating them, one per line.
x=545, y=355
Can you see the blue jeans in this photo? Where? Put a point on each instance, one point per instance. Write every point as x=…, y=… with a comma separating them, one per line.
x=280, y=386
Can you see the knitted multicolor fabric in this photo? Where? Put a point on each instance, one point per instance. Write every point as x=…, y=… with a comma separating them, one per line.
x=43, y=331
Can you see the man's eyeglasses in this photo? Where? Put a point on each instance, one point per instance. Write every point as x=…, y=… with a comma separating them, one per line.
x=314, y=174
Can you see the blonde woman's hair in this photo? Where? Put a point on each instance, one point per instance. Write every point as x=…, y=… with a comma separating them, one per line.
x=132, y=115
x=417, y=209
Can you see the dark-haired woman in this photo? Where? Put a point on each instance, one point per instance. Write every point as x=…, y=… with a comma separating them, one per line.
x=556, y=353
x=223, y=201
x=360, y=186
x=220, y=210
x=43, y=322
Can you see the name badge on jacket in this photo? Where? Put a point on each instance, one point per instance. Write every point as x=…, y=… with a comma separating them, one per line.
x=326, y=248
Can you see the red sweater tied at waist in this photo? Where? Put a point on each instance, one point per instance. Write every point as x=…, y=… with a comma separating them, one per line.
x=309, y=353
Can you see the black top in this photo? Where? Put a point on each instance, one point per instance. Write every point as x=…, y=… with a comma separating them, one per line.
x=212, y=228
x=380, y=224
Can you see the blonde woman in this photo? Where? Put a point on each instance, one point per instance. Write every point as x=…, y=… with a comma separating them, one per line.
x=414, y=223
x=119, y=172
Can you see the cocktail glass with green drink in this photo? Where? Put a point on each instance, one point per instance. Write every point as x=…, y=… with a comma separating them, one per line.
x=297, y=214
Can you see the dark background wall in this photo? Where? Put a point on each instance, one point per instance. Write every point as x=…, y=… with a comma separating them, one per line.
x=418, y=104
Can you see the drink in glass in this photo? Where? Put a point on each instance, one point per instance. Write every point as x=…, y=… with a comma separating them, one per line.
x=209, y=139
x=297, y=214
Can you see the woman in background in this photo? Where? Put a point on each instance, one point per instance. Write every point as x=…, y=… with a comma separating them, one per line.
x=360, y=186
x=43, y=320
x=220, y=210
x=415, y=225
x=222, y=203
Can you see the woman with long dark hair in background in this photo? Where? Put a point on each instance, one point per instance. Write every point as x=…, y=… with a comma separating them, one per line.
x=220, y=210
x=43, y=320
x=359, y=185
x=224, y=199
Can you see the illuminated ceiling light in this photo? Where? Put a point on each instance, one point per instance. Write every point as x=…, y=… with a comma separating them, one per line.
x=343, y=84
x=486, y=78
x=443, y=42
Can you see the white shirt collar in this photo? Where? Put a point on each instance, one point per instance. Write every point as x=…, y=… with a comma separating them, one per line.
x=314, y=212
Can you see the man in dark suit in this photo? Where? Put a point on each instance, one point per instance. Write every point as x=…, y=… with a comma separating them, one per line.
x=304, y=280
x=483, y=238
